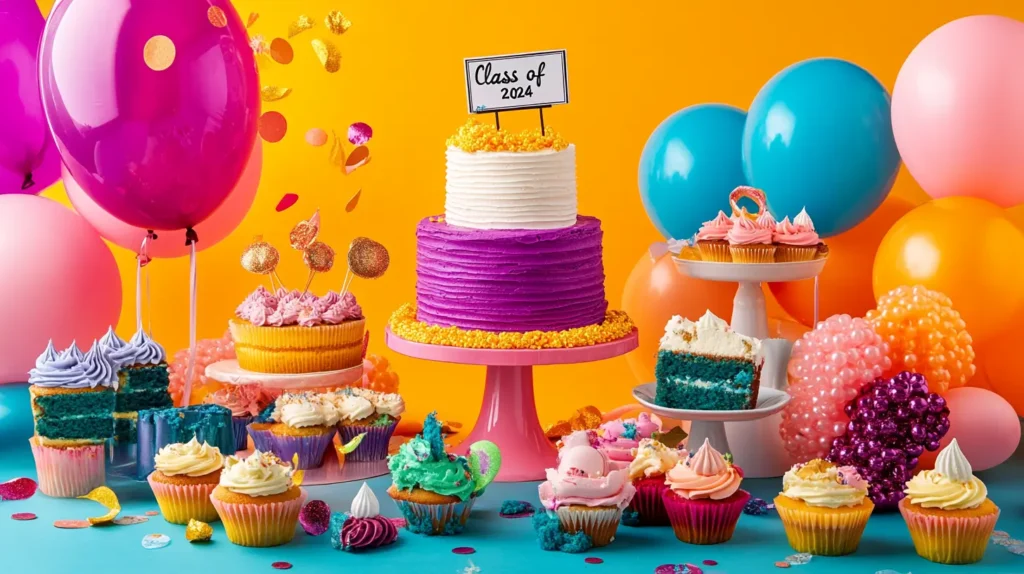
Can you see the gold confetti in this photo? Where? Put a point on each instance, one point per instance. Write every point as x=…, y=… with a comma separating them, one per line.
x=337, y=155
x=336, y=22
x=297, y=475
x=217, y=17
x=158, y=53
x=281, y=51
x=319, y=257
x=197, y=531
x=352, y=203
x=260, y=257
x=357, y=159
x=300, y=25
x=586, y=418
x=475, y=135
x=274, y=93
x=108, y=499
x=304, y=233
x=253, y=16
x=328, y=55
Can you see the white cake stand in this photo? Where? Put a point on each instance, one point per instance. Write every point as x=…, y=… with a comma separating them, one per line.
x=331, y=471
x=756, y=444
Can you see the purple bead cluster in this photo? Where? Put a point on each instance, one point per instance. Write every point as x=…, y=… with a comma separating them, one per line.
x=892, y=422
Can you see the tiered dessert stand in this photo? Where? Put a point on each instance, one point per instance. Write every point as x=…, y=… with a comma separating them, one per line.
x=331, y=471
x=508, y=416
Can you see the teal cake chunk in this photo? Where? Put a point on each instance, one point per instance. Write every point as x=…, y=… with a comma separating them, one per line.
x=73, y=414
x=85, y=428
x=125, y=429
x=158, y=428
x=698, y=382
x=145, y=377
x=143, y=399
x=74, y=405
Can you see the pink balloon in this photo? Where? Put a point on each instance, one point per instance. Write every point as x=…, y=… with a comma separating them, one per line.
x=984, y=425
x=957, y=114
x=60, y=282
x=211, y=231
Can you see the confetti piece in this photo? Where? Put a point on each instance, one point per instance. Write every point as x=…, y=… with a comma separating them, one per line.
x=71, y=524
x=399, y=522
x=471, y=568
x=18, y=489
x=694, y=569
x=281, y=51
x=23, y=516
x=799, y=559
x=782, y=564
x=259, y=44
x=337, y=155
x=130, y=520
x=463, y=550
x=359, y=133
x=274, y=93
x=998, y=534
x=304, y=233
x=316, y=137
x=710, y=563
x=152, y=513
x=281, y=565
x=350, y=445
x=217, y=17
x=889, y=572
x=287, y=200
x=358, y=158
x=672, y=438
x=299, y=475
x=755, y=507
x=158, y=53
x=328, y=54
x=273, y=127
x=352, y=203
x=300, y=25
x=672, y=569
x=155, y=541
x=108, y=499
x=315, y=517
x=253, y=16
x=593, y=560
x=336, y=22
x=198, y=531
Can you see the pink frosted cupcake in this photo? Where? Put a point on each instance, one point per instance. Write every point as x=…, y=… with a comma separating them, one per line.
x=796, y=241
x=711, y=239
x=586, y=494
x=619, y=439
x=704, y=502
x=184, y=479
x=245, y=402
x=257, y=500
x=750, y=242
x=647, y=471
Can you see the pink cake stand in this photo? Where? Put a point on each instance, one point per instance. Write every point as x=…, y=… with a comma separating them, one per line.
x=508, y=416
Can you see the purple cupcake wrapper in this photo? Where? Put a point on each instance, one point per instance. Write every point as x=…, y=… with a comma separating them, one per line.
x=310, y=449
x=261, y=439
x=374, y=445
x=238, y=426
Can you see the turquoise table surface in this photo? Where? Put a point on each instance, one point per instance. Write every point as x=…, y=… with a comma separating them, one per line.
x=502, y=545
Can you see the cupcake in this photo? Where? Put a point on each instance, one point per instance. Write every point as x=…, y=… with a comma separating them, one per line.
x=619, y=439
x=73, y=400
x=257, y=500
x=948, y=511
x=362, y=411
x=647, y=472
x=304, y=426
x=585, y=492
x=245, y=402
x=704, y=500
x=434, y=490
x=824, y=508
x=363, y=528
x=291, y=332
x=749, y=242
x=796, y=241
x=184, y=479
x=711, y=239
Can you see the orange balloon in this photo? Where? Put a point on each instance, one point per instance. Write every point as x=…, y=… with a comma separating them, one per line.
x=654, y=292
x=844, y=286
x=963, y=247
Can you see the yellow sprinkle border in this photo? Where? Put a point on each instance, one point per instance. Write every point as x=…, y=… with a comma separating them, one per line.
x=403, y=323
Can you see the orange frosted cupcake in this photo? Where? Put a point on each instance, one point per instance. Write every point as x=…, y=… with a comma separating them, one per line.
x=948, y=511
x=824, y=508
x=704, y=500
x=711, y=241
x=185, y=476
x=749, y=242
x=796, y=241
x=257, y=500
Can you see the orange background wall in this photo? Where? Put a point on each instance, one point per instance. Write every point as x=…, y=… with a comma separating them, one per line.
x=630, y=64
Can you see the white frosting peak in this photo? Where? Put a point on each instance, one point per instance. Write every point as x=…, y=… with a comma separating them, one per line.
x=952, y=463
x=710, y=335
x=260, y=474
x=365, y=504
x=803, y=220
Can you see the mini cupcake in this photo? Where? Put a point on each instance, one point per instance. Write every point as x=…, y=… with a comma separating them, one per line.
x=750, y=243
x=257, y=500
x=647, y=471
x=245, y=402
x=304, y=426
x=363, y=528
x=362, y=411
x=259, y=428
x=619, y=439
x=948, y=511
x=796, y=241
x=711, y=239
x=704, y=500
x=184, y=479
x=585, y=492
x=824, y=508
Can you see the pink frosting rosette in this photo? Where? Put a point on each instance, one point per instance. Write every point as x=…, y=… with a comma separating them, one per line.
x=705, y=475
x=618, y=438
x=288, y=308
x=241, y=400
x=585, y=477
x=716, y=229
x=747, y=232
x=788, y=233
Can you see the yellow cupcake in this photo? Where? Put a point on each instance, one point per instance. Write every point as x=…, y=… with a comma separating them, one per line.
x=824, y=508
x=185, y=476
x=298, y=349
x=257, y=500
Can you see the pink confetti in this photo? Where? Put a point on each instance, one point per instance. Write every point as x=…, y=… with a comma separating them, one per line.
x=398, y=522
x=282, y=565
x=694, y=569
x=710, y=563
x=359, y=133
x=17, y=489
x=152, y=513
x=316, y=137
x=315, y=517
x=287, y=201
x=463, y=550
x=593, y=560
x=23, y=516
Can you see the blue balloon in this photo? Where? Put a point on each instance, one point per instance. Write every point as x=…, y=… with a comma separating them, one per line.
x=819, y=135
x=689, y=165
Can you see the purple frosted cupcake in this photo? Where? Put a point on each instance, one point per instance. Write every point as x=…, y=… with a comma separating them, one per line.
x=364, y=411
x=304, y=426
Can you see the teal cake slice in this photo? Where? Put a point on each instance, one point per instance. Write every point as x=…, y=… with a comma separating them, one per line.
x=704, y=365
x=143, y=380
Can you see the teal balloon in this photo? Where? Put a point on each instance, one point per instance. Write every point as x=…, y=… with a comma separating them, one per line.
x=689, y=166
x=819, y=135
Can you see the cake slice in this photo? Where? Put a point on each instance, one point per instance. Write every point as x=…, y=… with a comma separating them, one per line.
x=143, y=380
x=707, y=366
x=73, y=397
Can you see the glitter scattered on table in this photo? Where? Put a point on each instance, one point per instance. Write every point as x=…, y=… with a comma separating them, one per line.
x=593, y=560
x=130, y=520
x=463, y=550
x=71, y=524
x=155, y=541
x=23, y=516
x=798, y=559
x=673, y=569
x=282, y=565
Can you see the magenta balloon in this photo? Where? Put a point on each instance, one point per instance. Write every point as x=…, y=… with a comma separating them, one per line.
x=152, y=106
x=28, y=158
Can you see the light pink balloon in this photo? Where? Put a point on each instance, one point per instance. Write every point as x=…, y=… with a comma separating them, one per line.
x=984, y=425
x=957, y=114
x=172, y=244
x=60, y=282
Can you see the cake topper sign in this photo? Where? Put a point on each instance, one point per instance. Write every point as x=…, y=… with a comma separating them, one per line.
x=534, y=80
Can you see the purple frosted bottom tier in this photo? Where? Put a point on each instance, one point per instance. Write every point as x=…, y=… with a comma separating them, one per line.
x=510, y=279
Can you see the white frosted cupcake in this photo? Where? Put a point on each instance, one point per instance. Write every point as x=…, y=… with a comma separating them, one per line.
x=184, y=479
x=258, y=501
x=305, y=426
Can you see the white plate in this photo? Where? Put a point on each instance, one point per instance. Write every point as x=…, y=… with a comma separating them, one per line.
x=769, y=402
x=750, y=272
x=229, y=372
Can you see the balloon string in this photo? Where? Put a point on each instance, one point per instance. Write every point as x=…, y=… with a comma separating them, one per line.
x=140, y=260
x=815, y=324
x=186, y=394
x=149, y=306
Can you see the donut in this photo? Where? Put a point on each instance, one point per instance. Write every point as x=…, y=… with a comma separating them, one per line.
x=751, y=193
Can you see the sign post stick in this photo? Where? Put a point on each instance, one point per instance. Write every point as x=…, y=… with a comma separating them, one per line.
x=497, y=121
x=542, y=122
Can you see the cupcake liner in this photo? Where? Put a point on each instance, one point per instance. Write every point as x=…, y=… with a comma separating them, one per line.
x=704, y=521
x=261, y=438
x=794, y=253
x=310, y=449
x=296, y=349
x=180, y=502
x=756, y=253
x=823, y=531
x=648, y=503
x=238, y=426
x=949, y=539
x=374, y=445
x=68, y=472
x=599, y=522
x=259, y=525
x=436, y=519
x=714, y=251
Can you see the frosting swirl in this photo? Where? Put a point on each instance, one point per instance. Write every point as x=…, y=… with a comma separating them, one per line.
x=416, y=466
x=365, y=504
x=289, y=308
x=765, y=220
x=585, y=477
x=365, y=533
x=821, y=483
x=140, y=350
x=747, y=232
x=241, y=400
x=653, y=459
x=619, y=438
x=189, y=459
x=791, y=234
x=951, y=486
x=716, y=229
x=110, y=341
x=803, y=221
x=308, y=412
x=73, y=370
x=706, y=474
x=260, y=474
